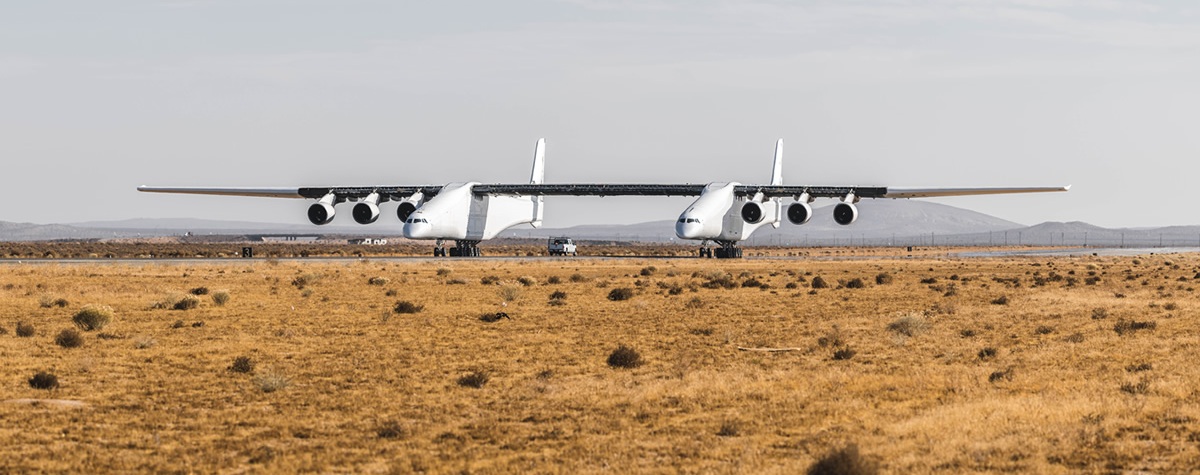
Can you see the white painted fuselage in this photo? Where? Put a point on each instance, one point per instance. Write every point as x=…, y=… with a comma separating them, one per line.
x=717, y=215
x=458, y=213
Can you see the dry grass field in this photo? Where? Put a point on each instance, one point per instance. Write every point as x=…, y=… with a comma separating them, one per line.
x=925, y=365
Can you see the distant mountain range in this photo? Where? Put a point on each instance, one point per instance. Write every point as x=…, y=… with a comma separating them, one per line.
x=881, y=222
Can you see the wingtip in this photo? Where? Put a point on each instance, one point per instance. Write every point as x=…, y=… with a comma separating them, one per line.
x=1067, y=188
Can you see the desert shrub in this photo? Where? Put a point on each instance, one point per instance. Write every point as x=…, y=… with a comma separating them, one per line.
x=624, y=357
x=997, y=376
x=791, y=285
x=220, y=298
x=1170, y=306
x=966, y=333
x=493, y=317
x=1137, y=368
x=48, y=302
x=819, y=283
x=391, y=293
x=752, y=282
x=242, y=364
x=1044, y=330
x=199, y=291
x=729, y=429
x=987, y=353
x=558, y=295
x=1128, y=327
x=442, y=272
x=620, y=293
x=305, y=280
x=844, y=461
x=1091, y=280
x=674, y=290
x=405, y=306
x=832, y=339
x=578, y=278
x=1140, y=387
x=855, y=283
x=474, y=379
x=1099, y=313
x=509, y=292
x=93, y=317
x=884, y=278
x=844, y=353
x=178, y=324
x=25, y=330
x=527, y=281
x=43, y=380
x=1001, y=300
x=3, y=331
x=456, y=281
x=912, y=324
x=69, y=338
x=694, y=303
x=648, y=271
x=557, y=302
x=390, y=430
x=186, y=302
x=701, y=331
x=554, y=279
x=378, y=281
x=144, y=342
x=929, y=280
x=272, y=381
x=720, y=280
x=1074, y=338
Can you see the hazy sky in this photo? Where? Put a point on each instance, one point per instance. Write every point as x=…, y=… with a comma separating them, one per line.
x=99, y=97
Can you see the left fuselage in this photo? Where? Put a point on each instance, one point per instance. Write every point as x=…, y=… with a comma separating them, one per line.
x=458, y=213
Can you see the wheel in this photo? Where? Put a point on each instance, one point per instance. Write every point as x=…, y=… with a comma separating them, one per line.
x=455, y=252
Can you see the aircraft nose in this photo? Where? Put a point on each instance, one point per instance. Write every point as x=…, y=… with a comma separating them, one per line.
x=418, y=229
x=688, y=228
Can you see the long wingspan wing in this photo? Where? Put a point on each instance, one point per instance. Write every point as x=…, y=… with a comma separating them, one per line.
x=258, y=192
x=600, y=189
x=342, y=192
x=935, y=192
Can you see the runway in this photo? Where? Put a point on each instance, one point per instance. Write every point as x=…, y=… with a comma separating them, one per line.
x=1074, y=252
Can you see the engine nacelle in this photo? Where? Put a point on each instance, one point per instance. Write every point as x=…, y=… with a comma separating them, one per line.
x=752, y=212
x=320, y=213
x=408, y=206
x=845, y=213
x=799, y=213
x=365, y=212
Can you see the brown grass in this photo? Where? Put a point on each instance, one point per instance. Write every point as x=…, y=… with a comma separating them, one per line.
x=338, y=390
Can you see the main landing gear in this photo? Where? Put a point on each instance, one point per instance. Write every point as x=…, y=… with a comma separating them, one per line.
x=726, y=251
x=462, y=248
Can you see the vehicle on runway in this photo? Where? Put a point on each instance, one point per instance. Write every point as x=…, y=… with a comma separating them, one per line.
x=469, y=212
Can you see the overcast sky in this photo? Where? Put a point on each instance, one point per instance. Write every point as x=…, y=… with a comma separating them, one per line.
x=99, y=97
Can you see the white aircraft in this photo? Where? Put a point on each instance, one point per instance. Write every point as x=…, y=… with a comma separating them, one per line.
x=725, y=212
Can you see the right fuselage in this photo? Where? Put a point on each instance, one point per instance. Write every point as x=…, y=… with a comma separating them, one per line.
x=720, y=215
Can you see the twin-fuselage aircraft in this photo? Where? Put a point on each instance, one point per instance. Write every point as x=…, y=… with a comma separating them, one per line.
x=469, y=212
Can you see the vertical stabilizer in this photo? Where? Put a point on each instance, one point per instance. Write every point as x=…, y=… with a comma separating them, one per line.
x=777, y=169
x=537, y=177
x=539, y=163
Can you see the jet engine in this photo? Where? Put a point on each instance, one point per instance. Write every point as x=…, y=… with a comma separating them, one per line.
x=408, y=206
x=367, y=209
x=752, y=212
x=845, y=213
x=365, y=212
x=320, y=213
x=799, y=213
